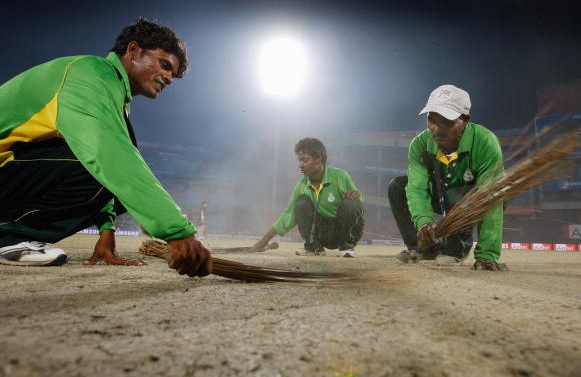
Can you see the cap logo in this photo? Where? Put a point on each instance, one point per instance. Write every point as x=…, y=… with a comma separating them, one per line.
x=443, y=95
x=448, y=101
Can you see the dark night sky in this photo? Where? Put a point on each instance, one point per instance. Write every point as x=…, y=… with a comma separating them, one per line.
x=372, y=64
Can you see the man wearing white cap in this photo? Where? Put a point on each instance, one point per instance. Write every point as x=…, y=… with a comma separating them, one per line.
x=444, y=162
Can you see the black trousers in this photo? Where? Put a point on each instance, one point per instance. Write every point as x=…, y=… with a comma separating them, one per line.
x=457, y=245
x=46, y=194
x=343, y=232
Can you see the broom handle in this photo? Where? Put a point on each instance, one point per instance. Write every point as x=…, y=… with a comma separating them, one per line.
x=439, y=189
x=313, y=225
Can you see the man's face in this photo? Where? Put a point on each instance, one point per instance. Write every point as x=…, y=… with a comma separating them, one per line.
x=151, y=71
x=308, y=165
x=445, y=132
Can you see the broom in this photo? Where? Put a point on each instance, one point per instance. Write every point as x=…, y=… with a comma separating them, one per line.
x=543, y=165
x=250, y=273
x=244, y=249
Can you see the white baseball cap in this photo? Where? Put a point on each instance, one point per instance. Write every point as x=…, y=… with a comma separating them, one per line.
x=448, y=101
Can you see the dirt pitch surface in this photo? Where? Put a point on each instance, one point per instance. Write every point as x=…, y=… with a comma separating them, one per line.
x=414, y=320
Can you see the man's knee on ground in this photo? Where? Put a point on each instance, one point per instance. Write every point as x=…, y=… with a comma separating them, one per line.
x=350, y=206
x=303, y=206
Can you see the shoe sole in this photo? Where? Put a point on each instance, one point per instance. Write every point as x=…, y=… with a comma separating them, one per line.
x=58, y=261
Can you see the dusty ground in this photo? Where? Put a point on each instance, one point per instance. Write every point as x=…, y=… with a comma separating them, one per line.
x=419, y=320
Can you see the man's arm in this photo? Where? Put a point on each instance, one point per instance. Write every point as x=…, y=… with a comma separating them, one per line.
x=352, y=194
x=418, y=186
x=351, y=190
x=105, y=251
x=263, y=242
x=490, y=165
x=189, y=257
x=285, y=222
x=91, y=120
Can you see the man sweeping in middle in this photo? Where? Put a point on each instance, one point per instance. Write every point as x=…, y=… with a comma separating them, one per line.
x=325, y=204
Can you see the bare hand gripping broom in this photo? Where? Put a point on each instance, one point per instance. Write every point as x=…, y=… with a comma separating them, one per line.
x=244, y=249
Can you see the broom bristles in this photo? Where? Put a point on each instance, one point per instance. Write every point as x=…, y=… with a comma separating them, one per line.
x=244, y=249
x=249, y=273
x=532, y=170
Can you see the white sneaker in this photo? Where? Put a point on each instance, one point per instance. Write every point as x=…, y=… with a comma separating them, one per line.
x=32, y=253
x=303, y=252
x=349, y=253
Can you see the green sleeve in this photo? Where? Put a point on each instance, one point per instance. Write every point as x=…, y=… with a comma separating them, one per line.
x=418, y=187
x=349, y=184
x=489, y=152
x=106, y=219
x=287, y=220
x=90, y=117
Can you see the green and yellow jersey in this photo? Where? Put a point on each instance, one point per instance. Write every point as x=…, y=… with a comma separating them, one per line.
x=326, y=198
x=84, y=100
x=479, y=158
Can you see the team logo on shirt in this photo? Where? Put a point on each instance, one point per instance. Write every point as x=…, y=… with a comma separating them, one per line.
x=468, y=176
x=331, y=198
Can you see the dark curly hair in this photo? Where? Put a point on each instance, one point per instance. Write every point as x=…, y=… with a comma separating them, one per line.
x=313, y=147
x=150, y=35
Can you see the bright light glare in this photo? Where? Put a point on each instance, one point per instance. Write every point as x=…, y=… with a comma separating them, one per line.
x=283, y=67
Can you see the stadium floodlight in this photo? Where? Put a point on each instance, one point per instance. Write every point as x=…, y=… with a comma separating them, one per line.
x=283, y=66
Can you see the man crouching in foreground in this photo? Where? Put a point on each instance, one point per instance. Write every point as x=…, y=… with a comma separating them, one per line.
x=69, y=159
